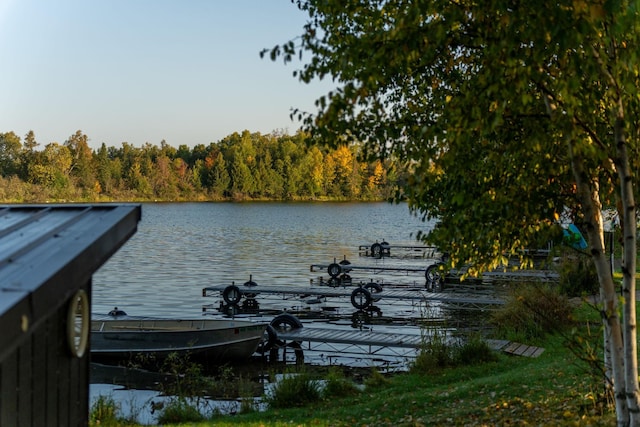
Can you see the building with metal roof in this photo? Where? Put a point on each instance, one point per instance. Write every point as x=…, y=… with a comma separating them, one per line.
x=48, y=255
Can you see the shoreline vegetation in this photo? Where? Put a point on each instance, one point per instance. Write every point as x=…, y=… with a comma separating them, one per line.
x=467, y=387
x=241, y=167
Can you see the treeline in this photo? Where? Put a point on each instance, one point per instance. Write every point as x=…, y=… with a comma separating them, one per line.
x=247, y=166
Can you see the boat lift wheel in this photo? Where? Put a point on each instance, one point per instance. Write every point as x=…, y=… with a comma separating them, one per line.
x=334, y=269
x=232, y=294
x=434, y=275
x=285, y=322
x=361, y=298
x=269, y=340
x=373, y=288
x=376, y=250
x=282, y=323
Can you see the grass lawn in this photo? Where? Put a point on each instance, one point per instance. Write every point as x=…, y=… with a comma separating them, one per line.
x=553, y=389
x=558, y=388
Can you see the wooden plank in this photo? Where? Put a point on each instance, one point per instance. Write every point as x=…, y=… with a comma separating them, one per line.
x=523, y=350
x=52, y=406
x=64, y=373
x=533, y=351
x=8, y=385
x=512, y=347
x=25, y=377
x=40, y=375
x=75, y=393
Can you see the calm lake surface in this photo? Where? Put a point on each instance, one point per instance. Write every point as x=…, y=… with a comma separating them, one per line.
x=180, y=248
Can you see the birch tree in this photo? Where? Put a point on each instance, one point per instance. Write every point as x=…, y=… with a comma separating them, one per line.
x=508, y=113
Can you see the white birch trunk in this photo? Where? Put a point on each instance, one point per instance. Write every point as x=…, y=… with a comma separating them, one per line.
x=629, y=226
x=588, y=195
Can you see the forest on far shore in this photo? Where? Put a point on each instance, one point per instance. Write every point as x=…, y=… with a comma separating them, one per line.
x=246, y=166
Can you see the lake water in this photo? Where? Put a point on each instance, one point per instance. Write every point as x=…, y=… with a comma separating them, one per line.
x=180, y=248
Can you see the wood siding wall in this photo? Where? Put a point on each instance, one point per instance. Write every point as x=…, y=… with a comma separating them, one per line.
x=41, y=383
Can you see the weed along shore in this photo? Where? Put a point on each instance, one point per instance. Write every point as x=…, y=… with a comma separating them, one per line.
x=465, y=383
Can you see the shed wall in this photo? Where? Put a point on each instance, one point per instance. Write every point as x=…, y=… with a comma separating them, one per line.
x=41, y=383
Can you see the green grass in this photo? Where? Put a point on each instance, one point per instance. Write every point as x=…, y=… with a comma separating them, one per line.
x=557, y=388
x=554, y=389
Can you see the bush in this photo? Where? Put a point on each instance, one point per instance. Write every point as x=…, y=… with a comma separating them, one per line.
x=293, y=390
x=376, y=380
x=434, y=355
x=474, y=351
x=180, y=410
x=338, y=386
x=578, y=276
x=104, y=412
x=530, y=312
x=437, y=353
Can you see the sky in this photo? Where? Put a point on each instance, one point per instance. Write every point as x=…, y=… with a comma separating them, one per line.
x=142, y=71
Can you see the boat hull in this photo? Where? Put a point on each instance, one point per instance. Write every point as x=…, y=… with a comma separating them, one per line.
x=212, y=341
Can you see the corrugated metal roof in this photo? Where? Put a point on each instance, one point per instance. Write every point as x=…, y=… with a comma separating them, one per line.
x=47, y=252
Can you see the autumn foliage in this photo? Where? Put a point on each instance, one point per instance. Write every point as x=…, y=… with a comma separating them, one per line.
x=247, y=166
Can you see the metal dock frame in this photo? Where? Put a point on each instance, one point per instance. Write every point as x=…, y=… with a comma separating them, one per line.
x=458, y=300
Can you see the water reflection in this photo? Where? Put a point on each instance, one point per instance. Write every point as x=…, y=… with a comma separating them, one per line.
x=180, y=248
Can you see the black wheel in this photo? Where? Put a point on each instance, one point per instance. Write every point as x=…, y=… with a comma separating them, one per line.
x=334, y=269
x=376, y=250
x=232, y=294
x=373, y=288
x=269, y=340
x=433, y=274
x=286, y=322
x=360, y=298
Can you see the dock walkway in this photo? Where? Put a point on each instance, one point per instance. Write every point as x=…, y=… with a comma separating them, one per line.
x=361, y=296
x=372, y=342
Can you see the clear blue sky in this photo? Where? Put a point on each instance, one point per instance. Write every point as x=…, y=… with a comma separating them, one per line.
x=137, y=71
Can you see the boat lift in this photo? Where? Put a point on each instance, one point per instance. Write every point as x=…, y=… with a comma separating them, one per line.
x=383, y=249
x=435, y=275
x=361, y=296
x=336, y=269
x=339, y=271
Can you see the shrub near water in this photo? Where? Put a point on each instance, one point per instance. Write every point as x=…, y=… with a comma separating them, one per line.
x=578, y=276
x=180, y=410
x=337, y=385
x=532, y=311
x=434, y=354
x=437, y=353
x=104, y=411
x=294, y=390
